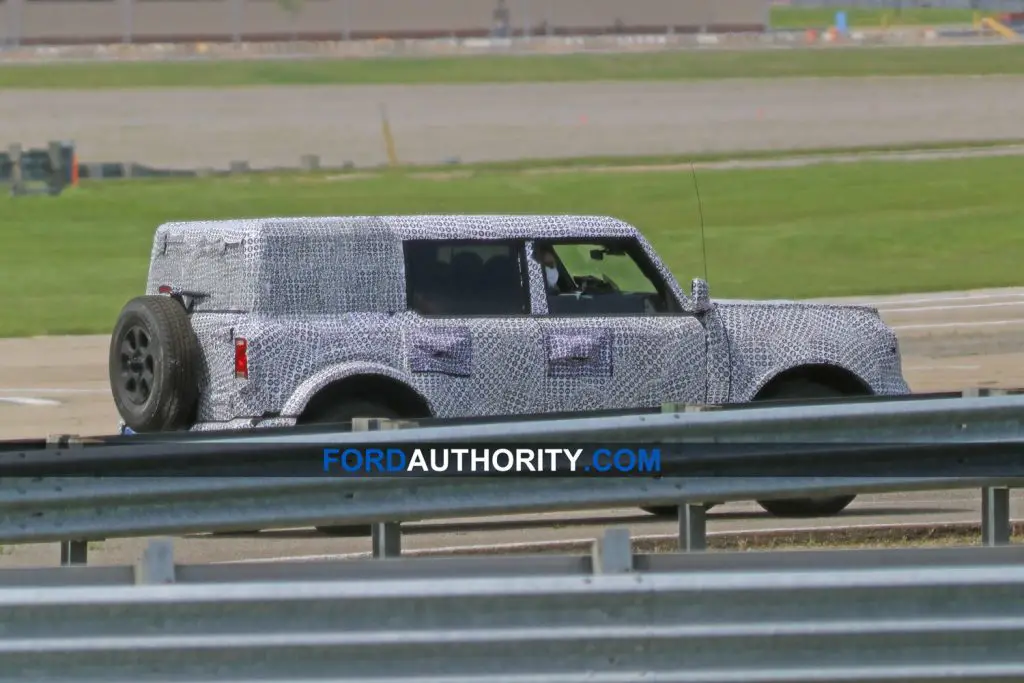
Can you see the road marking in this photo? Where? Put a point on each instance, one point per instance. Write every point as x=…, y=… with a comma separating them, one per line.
x=904, y=299
x=931, y=300
x=542, y=545
x=28, y=401
x=953, y=307
x=929, y=326
x=569, y=542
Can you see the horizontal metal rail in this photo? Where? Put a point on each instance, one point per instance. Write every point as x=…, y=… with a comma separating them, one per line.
x=314, y=432
x=156, y=564
x=997, y=418
x=80, y=508
x=949, y=615
x=96, y=492
x=928, y=420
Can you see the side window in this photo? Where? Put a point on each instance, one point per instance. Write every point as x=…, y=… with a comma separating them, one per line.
x=601, y=278
x=454, y=278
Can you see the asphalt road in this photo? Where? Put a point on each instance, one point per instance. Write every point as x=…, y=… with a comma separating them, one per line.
x=274, y=126
x=949, y=341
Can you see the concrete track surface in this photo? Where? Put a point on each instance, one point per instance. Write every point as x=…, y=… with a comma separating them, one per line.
x=949, y=341
x=274, y=126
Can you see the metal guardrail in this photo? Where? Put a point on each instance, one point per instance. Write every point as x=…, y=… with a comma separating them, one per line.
x=330, y=48
x=240, y=481
x=771, y=617
x=39, y=171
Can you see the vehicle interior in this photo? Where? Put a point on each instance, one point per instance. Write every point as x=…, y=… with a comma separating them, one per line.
x=602, y=278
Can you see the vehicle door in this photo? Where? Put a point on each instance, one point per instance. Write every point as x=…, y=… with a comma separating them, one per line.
x=615, y=336
x=472, y=346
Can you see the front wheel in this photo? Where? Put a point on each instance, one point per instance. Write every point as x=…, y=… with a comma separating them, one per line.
x=804, y=507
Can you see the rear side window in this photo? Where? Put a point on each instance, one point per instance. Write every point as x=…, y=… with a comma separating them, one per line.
x=215, y=274
x=457, y=278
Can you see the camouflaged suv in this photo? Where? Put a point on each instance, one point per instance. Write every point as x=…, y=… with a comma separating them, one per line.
x=284, y=321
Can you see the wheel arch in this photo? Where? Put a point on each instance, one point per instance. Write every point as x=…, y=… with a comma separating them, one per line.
x=359, y=381
x=830, y=375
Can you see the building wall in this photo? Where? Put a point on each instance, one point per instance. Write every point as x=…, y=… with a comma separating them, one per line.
x=89, y=21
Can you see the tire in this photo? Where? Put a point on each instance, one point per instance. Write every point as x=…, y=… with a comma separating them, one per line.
x=671, y=510
x=804, y=507
x=345, y=412
x=154, y=365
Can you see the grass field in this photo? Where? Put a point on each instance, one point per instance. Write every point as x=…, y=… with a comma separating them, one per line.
x=664, y=66
x=71, y=262
x=860, y=17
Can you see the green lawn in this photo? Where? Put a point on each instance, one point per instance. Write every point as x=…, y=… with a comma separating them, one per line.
x=70, y=262
x=859, y=17
x=681, y=65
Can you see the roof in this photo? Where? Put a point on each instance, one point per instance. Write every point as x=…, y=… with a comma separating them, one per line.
x=428, y=226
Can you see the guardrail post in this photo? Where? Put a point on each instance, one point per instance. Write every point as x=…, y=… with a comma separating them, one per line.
x=56, y=183
x=612, y=553
x=71, y=552
x=156, y=565
x=995, y=516
x=387, y=540
x=686, y=408
x=74, y=552
x=17, y=179
x=386, y=537
x=979, y=392
x=693, y=527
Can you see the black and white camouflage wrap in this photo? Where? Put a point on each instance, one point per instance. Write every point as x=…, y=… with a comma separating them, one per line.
x=323, y=299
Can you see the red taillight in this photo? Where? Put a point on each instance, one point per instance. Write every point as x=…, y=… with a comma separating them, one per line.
x=241, y=358
x=164, y=289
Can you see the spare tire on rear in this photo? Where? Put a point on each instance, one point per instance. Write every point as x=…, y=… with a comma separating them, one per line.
x=154, y=365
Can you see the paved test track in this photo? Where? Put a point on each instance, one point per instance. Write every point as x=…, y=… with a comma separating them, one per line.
x=949, y=341
x=273, y=126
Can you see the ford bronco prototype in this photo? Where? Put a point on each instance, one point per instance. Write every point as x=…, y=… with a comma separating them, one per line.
x=285, y=321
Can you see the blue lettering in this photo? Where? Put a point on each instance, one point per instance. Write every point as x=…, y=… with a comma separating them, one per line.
x=393, y=465
x=328, y=452
x=629, y=456
x=374, y=457
x=650, y=462
x=597, y=463
x=351, y=452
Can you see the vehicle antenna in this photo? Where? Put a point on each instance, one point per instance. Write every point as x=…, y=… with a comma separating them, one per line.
x=700, y=212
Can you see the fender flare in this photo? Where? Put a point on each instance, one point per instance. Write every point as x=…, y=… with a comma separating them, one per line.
x=769, y=375
x=309, y=388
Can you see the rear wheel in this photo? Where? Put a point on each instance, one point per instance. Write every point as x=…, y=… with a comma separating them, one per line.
x=345, y=412
x=804, y=507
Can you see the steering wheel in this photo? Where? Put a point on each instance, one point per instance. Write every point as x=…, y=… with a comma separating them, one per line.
x=588, y=284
